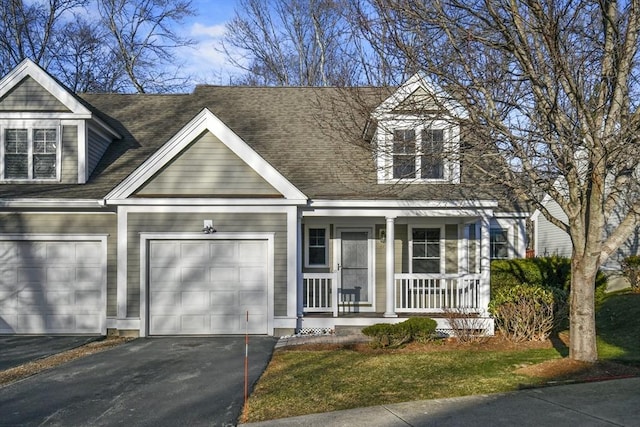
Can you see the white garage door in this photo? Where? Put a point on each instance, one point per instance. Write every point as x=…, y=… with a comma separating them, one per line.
x=206, y=287
x=51, y=287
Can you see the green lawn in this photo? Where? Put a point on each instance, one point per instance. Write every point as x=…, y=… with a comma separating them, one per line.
x=308, y=381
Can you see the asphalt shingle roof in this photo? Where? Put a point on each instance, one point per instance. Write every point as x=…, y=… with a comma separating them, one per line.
x=310, y=135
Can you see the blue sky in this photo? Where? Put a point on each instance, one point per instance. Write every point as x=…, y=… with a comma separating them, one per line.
x=203, y=62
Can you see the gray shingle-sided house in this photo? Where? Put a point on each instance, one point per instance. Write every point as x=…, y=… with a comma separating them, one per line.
x=189, y=214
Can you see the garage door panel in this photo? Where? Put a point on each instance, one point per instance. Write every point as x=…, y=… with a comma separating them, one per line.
x=164, y=299
x=167, y=324
x=8, y=277
x=225, y=273
x=197, y=250
x=221, y=299
x=60, y=253
x=211, y=289
x=60, y=274
x=31, y=275
x=195, y=302
x=225, y=324
x=165, y=274
x=194, y=324
x=194, y=274
x=88, y=274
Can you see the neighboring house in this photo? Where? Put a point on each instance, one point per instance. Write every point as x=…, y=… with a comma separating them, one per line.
x=189, y=214
x=549, y=240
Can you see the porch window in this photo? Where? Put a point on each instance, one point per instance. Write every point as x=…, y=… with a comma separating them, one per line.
x=499, y=240
x=425, y=256
x=317, y=247
x=418, y=157
x=30, y=153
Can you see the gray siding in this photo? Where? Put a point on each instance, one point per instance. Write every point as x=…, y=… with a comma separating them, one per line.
x=401, y=262
x=552, y=240
x=35, y=223
x=69, y=163
x=451, y=248
x=192, y=222
x=97, y=147
x=207, y=168
x=28, y=95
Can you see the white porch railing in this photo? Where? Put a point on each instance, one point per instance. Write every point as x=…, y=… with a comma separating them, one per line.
x=423, y=293
x=320, y=292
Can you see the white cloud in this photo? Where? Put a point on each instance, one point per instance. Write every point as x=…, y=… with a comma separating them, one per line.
x=208, y=31
x=205, y=62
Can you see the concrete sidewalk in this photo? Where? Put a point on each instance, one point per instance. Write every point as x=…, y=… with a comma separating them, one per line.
x=605, y=403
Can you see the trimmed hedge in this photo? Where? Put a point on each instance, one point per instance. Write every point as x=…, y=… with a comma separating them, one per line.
x=553, y=272
x=419, y=329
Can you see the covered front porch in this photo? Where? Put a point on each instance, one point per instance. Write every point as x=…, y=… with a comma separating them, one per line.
x=381, y=265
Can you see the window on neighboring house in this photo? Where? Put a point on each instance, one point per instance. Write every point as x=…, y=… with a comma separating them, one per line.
x=30, y=153
x=499, y=243
x=425, y=256
x=423, y=158
x=317, y=247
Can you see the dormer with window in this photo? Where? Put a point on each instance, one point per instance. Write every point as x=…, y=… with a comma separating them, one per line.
x=417, y=135
x=47, y=135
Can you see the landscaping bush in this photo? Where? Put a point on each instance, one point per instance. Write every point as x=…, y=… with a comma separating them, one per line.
x=466, y=325
x=631, y=270
x=528, y=312
x=553, y=272
x=419, y=329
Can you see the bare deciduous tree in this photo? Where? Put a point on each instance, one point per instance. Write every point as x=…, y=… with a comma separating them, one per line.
x=27, y=30
x=551, y=90
x=297, y=43
x=144, y=38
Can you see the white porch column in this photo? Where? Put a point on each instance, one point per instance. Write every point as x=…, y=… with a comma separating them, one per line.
x=390, y=268
x=485, y=264
x=299, y=277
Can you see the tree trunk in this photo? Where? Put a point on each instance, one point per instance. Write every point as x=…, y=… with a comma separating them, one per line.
x=582, y=312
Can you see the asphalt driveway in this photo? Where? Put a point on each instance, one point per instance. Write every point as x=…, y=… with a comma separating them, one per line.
x=18, y=349
x=145, y=382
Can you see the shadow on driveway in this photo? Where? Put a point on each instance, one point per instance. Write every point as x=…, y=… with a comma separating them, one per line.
x=145, y=382
x=16, y=350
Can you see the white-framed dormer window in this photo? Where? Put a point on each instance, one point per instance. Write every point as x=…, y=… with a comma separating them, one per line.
x=418, y=151
x=426, y=250
x=30, y=151
x=420, y=156
x=317, y=247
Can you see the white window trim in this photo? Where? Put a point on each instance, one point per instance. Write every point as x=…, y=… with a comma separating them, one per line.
x=508, y=242
x=30, y=125
x=441, y=242
x=451, y=137
x=306, y=246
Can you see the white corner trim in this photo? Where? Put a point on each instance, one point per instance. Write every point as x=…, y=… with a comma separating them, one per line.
x=204, y=121
x=30, y=68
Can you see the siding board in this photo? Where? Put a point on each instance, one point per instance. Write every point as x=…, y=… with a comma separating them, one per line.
x=69, y=163
x=96, y=148
x=28, y=95
x=207, y=167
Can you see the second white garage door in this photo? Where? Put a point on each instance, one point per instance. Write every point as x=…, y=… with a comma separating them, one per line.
x=206, y=287
x=52, y=287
